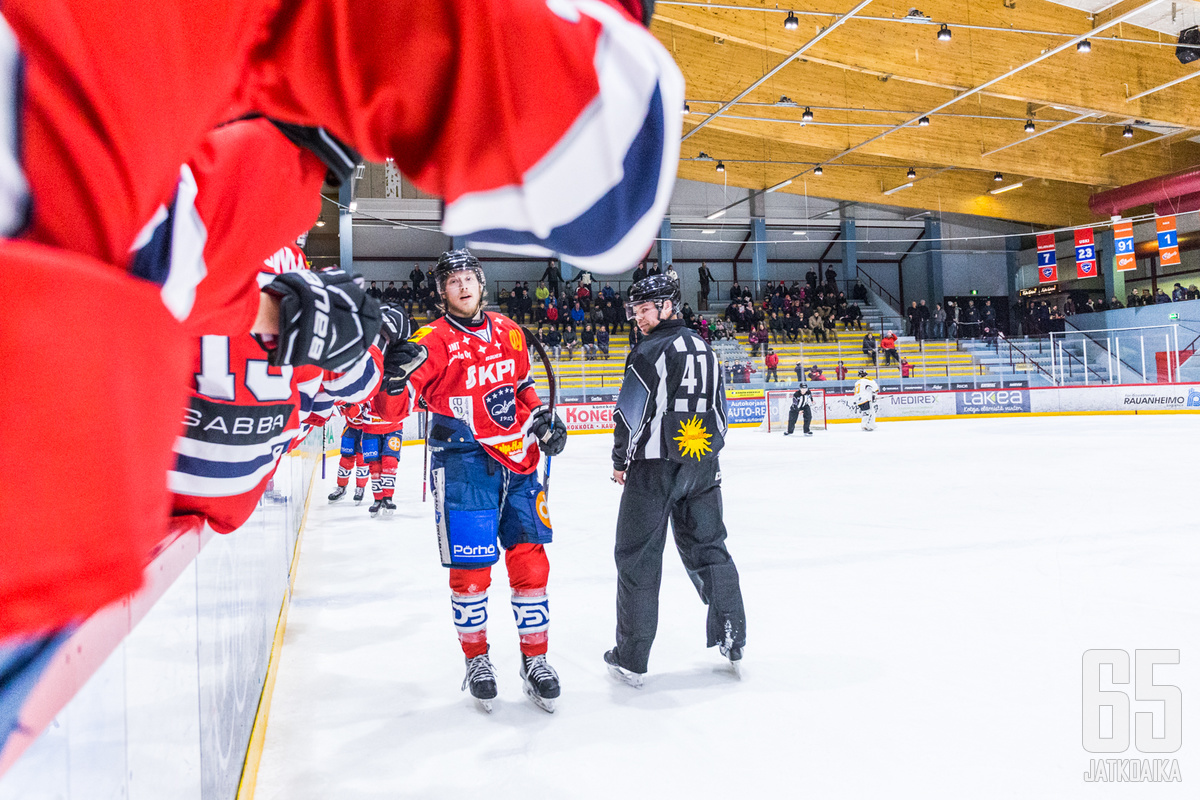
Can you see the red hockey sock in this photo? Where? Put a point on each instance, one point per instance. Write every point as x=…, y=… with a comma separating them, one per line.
x=361, y=472
x=469, y=603
x=528, y=573
x=376, y=479
x=387, y=479
x=344, y=466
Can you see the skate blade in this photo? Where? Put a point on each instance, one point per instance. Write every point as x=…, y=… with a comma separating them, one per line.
x=358, y=502
x=486, y=705
x=337, y=499
x=627, y=678
x=736, y=666
x=546, y=704
x=388, y=513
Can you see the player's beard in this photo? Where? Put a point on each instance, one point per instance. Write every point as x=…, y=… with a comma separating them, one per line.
x=464, y=308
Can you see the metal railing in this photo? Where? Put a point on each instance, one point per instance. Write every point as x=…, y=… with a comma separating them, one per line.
x=1108, y=341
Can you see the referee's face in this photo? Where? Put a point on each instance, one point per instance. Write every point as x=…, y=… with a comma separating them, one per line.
x=647, y=316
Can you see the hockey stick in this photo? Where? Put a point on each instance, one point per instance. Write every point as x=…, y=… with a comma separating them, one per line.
x=552, y=385
x=323, y=452
x=425, y=458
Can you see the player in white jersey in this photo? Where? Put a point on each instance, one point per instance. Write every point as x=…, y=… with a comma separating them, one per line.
x=866, y=395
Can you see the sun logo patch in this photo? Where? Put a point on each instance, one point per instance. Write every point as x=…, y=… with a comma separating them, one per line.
x=693, y=439
x=395, y=442
x=543, y=509
x=514, y=338
x=421, y=333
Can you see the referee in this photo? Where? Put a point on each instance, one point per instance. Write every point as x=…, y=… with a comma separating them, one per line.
x=670, y=425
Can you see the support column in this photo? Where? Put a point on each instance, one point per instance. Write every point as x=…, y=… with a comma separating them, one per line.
x=758, y=230
x=1012, y=254
x=1106, y=254
x=346, y=226
x=933, y=260
x=664, y=244
x=849, y=254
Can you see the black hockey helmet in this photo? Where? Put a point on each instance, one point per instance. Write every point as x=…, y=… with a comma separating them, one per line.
x=457, y=261
x=862, y=373
x=654, y=289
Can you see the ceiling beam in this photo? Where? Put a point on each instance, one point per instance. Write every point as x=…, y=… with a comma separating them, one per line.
x=1059, y=126
x=1166, y=85
x=803, y=49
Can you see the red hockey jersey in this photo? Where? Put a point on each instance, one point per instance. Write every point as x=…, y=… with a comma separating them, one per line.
x=479, y=377
x=242, y=417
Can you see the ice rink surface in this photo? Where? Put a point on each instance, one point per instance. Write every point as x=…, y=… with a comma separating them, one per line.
x=918, y=598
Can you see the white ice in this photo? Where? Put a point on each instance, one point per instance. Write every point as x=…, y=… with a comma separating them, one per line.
x=919, y=600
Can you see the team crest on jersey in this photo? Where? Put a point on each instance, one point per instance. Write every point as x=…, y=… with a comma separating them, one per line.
x=501, y=405
x=693, y=438
x=421, y=333
x=514, y=338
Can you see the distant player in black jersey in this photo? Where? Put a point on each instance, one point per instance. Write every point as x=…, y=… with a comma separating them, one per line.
x=802, y=401
x=670, y=425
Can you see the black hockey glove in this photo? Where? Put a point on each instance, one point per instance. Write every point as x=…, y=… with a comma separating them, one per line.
x=325, y=318
x=549, y=430
x=395, y=327
x=400, y=361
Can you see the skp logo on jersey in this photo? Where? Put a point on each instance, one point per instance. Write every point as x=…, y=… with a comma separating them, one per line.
x=490, y=373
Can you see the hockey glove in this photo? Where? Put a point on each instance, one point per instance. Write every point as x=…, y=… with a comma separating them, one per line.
x=325, y=319
x=400, y=361
x=395, y=326
x=549, y=430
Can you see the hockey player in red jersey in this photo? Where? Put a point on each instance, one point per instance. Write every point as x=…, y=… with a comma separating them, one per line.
x=576, y=156
x=380, y=442
x=245, y=413
x=351, y=462
x=487, y=425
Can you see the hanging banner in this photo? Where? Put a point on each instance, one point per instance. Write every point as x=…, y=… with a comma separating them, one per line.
x=1085, y=254
x=1047, y=260
x=1124, y=259
x=1168, y=242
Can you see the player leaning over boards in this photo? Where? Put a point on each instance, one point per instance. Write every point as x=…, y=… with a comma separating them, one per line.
x=472, y=369
x=866, y=398
x=670, y=425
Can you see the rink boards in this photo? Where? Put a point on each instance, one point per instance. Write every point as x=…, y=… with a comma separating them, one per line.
x=747, y=411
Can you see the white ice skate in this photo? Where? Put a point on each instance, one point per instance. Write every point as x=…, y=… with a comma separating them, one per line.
x=625, y=676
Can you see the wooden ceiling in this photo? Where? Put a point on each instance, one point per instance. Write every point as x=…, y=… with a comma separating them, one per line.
x=875, y=73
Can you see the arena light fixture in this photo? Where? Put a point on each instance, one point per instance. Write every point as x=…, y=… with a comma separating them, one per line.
x=709, y=230
x=807, y=116
x=1128, y=132
x=686, y=109
x=784, y=100
x=720, y=166
x=779, y=186
x=944, y=34
x=912, y=174
x=720, y=212
x=1008, y=188
x=791, y=23
x=998, y=177
x=799, y=233
x=923, y=122
x=1029, y=128
x=1084, y=47
x=320, y=223
x=818, y=170
x=899, y=188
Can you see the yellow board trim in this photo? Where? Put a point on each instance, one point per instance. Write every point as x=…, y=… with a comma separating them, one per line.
x=258, y=735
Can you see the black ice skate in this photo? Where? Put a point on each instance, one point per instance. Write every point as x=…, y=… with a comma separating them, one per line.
x=389, y=508
x=481, y=679
x=808, y=433
x=337, y=494
x=730, y=650
x=540, y=681
x=615, y=669
x=358, y=494
x=375, y=507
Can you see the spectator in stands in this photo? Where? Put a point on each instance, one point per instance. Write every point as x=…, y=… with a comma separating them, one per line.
x=635, y=336
x=868, y=346
x=905, y=368
x=417, y=277
x=552, y=276
x=754, y=341
x=735, y=292
x=654, y=269
x=988, y=315
x=1178, y=294
x=374, y=291
x=937, y=323
x=608, y=293
x=430, y=281
x=614, y=316
x=914, y=320
x=799, y=370
x=775, y=325
x=860, y=292
x=791, y=325
x=553, y=341
x=989, y=335
x=1115, y=303
x=704, y=331
x=639, y=272
x=587, y=341
x=840, y=371
x=671, y=273
x=924, y=318
x=831, y=278
x=952, y=318
x=816, y=324
x=815, y=373
x=830, y=323
x=706, y=277
x=570, y=341
x=406, y=297
x=596, y=316
x=431, y=305
x=391, y=295
x=811, y=279
x=852, y=318
x=583, y=296
x=1133, y=299
x=890, y=352
x=1068, y=307
x=1161, y=296
x=970, y=321
x=689, y=316
x=1193, y=293
x=602, y=341
x=772, y=362
x=551, y=311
